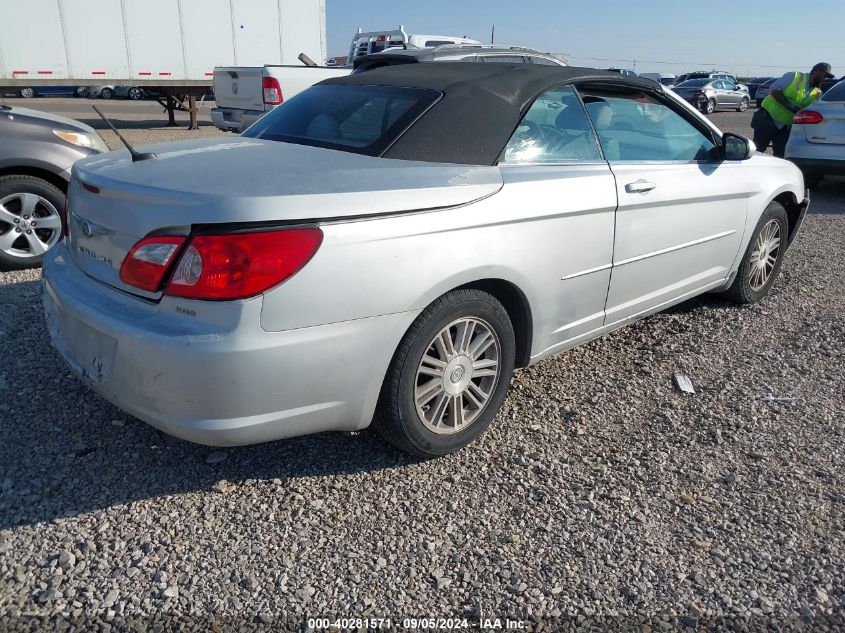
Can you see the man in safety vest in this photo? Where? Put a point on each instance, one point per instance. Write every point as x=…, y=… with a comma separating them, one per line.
x=772, y=121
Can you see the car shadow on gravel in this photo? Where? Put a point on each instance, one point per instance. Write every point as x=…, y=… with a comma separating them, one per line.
x=828, y=198
x=65, y=451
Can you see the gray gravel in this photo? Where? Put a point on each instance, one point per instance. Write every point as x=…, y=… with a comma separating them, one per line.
x=600, y=492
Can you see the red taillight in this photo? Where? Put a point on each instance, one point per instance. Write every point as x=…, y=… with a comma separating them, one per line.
x=807, y=117
x=145, y=265
x=272, y=91
x=241, y=265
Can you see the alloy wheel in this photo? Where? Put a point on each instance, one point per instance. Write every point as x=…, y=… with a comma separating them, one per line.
x=457, y=375
x=29, y=225
x=764, y=255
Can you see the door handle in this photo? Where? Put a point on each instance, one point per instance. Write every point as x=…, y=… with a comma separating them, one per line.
x=640, y=186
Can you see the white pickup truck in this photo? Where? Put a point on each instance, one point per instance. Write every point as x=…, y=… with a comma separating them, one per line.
x=243, y=94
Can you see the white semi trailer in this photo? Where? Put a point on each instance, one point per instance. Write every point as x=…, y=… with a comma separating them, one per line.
x=167, y=45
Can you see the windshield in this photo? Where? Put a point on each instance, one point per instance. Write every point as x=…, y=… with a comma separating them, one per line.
x=667, y=81
x=694, y=83
x=359, y=119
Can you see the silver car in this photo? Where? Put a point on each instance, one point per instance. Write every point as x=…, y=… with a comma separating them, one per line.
x=817, y=139
x=387, y=247
x=709, y=95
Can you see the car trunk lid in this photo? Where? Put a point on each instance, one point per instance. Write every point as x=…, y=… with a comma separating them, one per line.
x=114, y=202
x=831, y=130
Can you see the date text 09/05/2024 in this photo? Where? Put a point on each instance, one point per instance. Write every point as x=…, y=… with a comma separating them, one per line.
x=424, y=623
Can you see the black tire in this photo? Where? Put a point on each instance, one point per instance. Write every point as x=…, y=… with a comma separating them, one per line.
x=82, y=92
x=106, y=93
x=397, y=419
x=10, y=185
x=709, y=106
x=27, y=93
x=134, y=94
x=743, y=105
x=742, y=291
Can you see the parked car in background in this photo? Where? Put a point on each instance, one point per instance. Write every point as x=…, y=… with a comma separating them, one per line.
x=817, y=139
x=53, y=91
x=827, y=84
x=713, y=74
x=623, y=71
x=709, y=95
x=122, y=92
x=664, y=79
x=763, y=91
x=755, y=83
x=566, y=203
x=36, y=155
x=485, y=53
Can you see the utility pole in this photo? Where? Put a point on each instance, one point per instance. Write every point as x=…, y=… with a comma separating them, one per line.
x=493, y=35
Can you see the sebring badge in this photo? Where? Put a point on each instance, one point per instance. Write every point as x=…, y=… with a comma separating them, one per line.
x=88, y=228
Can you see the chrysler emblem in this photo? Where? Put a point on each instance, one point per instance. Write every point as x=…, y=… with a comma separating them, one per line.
x=89, y=229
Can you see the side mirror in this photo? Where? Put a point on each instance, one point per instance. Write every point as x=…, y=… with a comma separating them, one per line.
x=736, y=147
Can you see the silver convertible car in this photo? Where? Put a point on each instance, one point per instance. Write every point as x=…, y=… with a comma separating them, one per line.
x=388, y=246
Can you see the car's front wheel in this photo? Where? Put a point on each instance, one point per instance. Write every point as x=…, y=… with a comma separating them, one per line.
x=27, y=93
x=743, y=105
x=106, y=93
x=30, y=220
x=134, y=94
x=763, y=258
x=449, y=376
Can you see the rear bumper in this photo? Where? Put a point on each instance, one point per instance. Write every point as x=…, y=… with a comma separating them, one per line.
x=819, y=165
x=234, y=120
x=221, y=383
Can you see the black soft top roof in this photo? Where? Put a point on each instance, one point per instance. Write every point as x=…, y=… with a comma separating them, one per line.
x=481, y=105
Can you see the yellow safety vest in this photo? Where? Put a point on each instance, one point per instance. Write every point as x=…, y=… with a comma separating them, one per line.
x=797, y=94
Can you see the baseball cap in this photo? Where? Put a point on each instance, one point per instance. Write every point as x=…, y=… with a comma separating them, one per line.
x=825, y=67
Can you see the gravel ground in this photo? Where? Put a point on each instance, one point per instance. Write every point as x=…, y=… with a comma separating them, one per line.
x=601, y=494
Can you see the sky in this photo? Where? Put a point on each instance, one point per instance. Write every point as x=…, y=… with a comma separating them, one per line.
x=746, y=37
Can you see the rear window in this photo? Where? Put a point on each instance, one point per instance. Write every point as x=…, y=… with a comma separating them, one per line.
x=694, y=83
x=837, y=93
x=359, y=119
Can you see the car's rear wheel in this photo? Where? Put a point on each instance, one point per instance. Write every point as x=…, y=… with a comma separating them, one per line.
x=106, y=93
x=449, y=376
x=763, y=258
x=743, y=105
x=82, y=92
x=134, y=93
x=709, y=106
x=27, y=93
x=30, y=220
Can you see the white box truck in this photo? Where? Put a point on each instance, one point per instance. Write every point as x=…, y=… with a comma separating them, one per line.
x=168, y=45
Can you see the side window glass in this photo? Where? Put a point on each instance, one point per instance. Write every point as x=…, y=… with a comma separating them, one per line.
x=636, y=127
x=555, y=129
x=543, y=61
